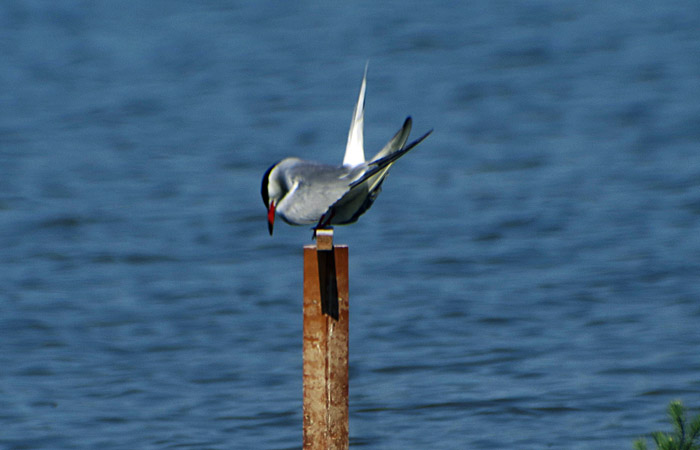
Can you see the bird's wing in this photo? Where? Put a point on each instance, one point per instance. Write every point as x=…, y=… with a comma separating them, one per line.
x=382, y=163
x=315, y=187
x=396, y=143
x=355, y=151
x=363, y=173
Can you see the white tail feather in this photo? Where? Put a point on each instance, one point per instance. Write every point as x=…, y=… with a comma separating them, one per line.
x=355, y=150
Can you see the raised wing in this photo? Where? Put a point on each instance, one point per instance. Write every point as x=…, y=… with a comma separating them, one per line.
x=395, y=144
x=367, y=192
x=377, y=165
x=397, y=141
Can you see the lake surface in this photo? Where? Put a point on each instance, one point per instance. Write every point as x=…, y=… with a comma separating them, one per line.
x=528, y=279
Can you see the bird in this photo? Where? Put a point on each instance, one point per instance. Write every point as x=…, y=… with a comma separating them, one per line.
x=305, y=192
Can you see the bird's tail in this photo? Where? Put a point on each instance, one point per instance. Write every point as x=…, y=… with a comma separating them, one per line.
x=355, y=150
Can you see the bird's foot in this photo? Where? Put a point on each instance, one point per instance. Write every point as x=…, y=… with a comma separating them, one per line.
x=319, y=227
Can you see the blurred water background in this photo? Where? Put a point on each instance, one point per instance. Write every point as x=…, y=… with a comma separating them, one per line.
x=529, y=278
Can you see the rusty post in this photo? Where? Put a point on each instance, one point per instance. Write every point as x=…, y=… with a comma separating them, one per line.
x=325, y=344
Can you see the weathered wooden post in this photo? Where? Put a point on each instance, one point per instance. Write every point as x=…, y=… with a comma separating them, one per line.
x=325, y=344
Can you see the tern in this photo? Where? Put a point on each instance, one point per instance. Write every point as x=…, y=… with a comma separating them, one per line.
x=308, y=192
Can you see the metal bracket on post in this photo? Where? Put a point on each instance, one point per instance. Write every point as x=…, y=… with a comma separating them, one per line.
x=324, y=239
x=325, y=344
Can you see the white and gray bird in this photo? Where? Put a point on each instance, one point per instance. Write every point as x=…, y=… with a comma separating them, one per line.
x=307, y=192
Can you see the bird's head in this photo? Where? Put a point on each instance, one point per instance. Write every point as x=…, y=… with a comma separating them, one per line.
x=271, y=191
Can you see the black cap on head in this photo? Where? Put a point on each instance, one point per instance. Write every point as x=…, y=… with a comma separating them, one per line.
x=265, y=182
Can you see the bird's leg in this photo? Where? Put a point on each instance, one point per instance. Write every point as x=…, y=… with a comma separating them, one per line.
x=324, y=222
x=319, y=227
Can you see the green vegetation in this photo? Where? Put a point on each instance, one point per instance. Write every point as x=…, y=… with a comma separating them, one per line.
x=684, y=437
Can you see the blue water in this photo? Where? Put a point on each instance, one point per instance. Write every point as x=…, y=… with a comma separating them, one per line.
x=528, y=279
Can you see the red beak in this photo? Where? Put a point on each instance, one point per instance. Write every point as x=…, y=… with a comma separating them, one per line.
x=271, y=217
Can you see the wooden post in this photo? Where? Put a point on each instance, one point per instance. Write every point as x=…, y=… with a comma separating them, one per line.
x=326, y=344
